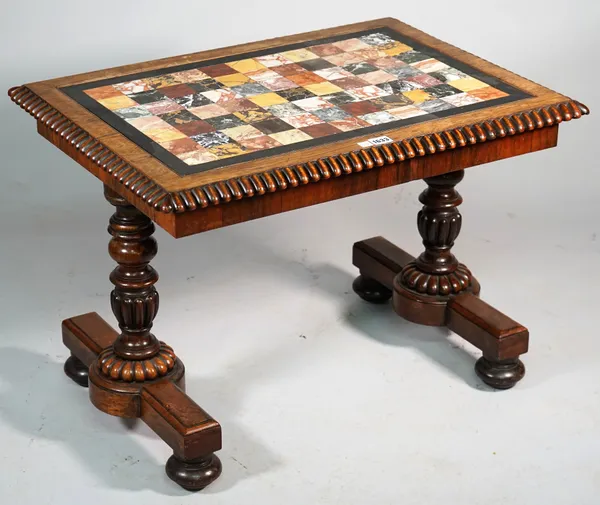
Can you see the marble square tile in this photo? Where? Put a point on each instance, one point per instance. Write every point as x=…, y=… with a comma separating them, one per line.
x=348, y=83
x=177, y=90
x=147, y=97
x=297, y=55
x=180, y=146
x=333, y=73
x=278, y=83
x=378, y=117
x=253, y=115
x=132, y=112
x=323, y=88
x=290, y=69
x=218, y=70
x=178, y=117
x=351, y=45
x=339, y=98
x=360, y=108
x=412, y=56
x=260, y=143
x=378, y=77
x=430, y=65
x=148, y=123
x=225, y=122
x=224, y=151
x=163, y=134
x=306, y=78
x=442, y=90
x=221, y=96
x=326, y=50
x=462, y=99
x=321, y=130
x=195, y=127
x=417, y=96
x=367, y=92
x=190, y=101
x=103, y=92
x=290, y=137
x=379, y=40
x=246, y=66
x=284, y=110
x=192, y=75
x=274, y=125
x=294, y=94
x=313, y=104
x=267, y=99
x=197, y=157
x=211, y=139
x=206, y=111
x=316, y=64
x=130, y=87
x=162, y=107
x=273, y=60
x=350, y=124
x=432, y=106
x=120, y=101
x=406, y=112
x=250, y=89
x=342, y=59
x=303, y=120
x=331, y=114
x=239, y=105
x=469, y=84
x=487, y=93
x=161, y=81
x=244, y=132
x=232, y=80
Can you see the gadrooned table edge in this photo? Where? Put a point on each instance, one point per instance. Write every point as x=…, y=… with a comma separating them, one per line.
x=78, y=141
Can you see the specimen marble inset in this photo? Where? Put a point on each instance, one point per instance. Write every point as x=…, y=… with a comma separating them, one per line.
x=212, y=114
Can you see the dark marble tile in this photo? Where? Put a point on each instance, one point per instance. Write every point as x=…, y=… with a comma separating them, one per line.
x=178, y=117
x=316, y=64
x=339, y=98
x=293, y=94
x=224, y=122
x=320, y=130
x=205, y=85
x=250, y=89
x=412, y=56
x=435, y=106
x=331, y=114
x=211, y=139
x=442, y=90
x=391, y=101
x=399, y=86
x=189, y=101
x=274, y=125
x=360, y=68
x=147, y=97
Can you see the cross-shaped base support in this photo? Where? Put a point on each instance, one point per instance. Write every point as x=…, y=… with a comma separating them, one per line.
x=162, y=403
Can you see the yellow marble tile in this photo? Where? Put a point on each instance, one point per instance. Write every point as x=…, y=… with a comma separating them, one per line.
x=323, y=88
x=267, y=99
x=233, y=79
x=227, y=150
x=245, y=66
x=468, y=84
x=290, y=136
x=117, y=102
x=164, y=134
x=397, y=48
x=299, y=55
x=417, y=95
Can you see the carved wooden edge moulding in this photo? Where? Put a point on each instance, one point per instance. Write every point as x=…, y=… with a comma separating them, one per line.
x=77, y=140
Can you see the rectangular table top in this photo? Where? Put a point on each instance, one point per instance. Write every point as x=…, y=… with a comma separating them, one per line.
x=208, y=128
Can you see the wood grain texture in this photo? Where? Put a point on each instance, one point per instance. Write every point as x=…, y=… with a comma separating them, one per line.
x=159, y=192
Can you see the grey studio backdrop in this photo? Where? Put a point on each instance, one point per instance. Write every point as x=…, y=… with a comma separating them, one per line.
x=322, y=398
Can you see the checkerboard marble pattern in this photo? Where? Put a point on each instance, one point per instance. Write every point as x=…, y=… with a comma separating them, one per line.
x=219, y=111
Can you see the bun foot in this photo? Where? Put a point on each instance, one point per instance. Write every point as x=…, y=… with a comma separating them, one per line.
x=370, y=290
x=500, y=374
x=196, y=474
x=76, y=371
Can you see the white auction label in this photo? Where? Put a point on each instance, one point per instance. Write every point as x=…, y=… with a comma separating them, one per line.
x=377, y=141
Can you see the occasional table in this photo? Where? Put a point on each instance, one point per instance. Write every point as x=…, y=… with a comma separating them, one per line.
x=206, y=140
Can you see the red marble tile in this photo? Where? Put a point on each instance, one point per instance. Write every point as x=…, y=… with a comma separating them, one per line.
x=306, y=78
x=180, y=146
x=218, y=70
x=320, y=130
x=260, y=143
x=359, y=108
x=195, y=127
x=177, y=90
x=425, y=80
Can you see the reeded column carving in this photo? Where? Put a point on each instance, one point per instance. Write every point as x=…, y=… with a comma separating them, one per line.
x=437, y=271
x=136, y=355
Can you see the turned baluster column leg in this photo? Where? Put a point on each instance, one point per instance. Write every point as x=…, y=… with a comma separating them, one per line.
x=425, y=285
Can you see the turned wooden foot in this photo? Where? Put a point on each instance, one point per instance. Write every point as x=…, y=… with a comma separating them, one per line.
x=370, y=290
x=500, y=374
x=193, y=475
x=435, y=289
x=77, y=371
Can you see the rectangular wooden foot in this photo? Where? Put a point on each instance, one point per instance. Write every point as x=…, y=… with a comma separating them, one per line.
x=379, y=259
x=488, y=329
x=163, y=405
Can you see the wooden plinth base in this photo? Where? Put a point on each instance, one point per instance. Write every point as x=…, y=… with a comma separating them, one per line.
x=161, y=403
x=501, y=339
